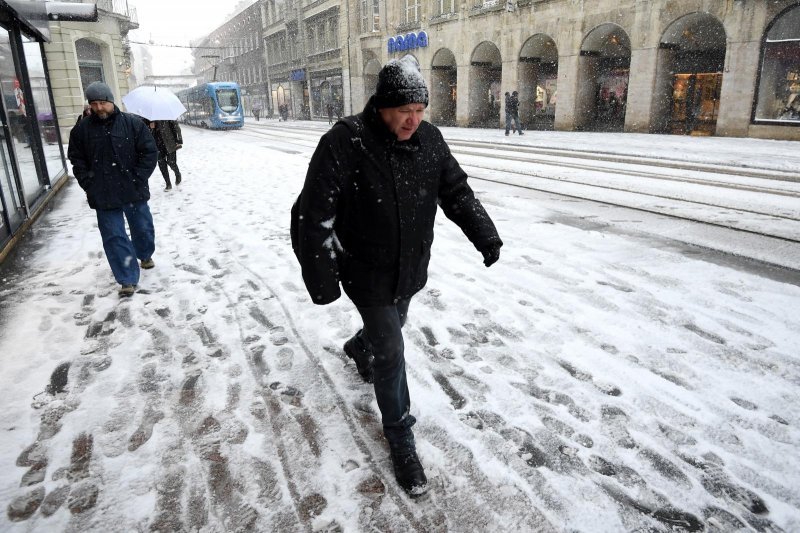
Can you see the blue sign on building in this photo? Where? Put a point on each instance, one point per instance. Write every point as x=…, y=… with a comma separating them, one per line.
x=410, y=41
x=297, y=75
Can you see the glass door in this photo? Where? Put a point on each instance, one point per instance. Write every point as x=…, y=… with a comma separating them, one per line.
x=12, y=210
x=19, y=132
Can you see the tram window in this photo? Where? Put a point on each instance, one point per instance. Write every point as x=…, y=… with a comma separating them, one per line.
x=228, y=100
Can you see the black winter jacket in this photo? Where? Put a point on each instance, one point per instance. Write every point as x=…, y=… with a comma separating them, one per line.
x=112, y=159
x=168, y=136
x=365, y=215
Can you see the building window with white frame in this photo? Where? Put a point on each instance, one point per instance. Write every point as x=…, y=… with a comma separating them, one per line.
x=412, y=11
x=370, y=16
x=444, y=7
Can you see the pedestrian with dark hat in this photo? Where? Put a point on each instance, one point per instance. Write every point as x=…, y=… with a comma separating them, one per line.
x=113, y=155
x=364, y=220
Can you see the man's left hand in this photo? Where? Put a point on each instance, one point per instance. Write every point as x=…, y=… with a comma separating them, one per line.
x=491, y=254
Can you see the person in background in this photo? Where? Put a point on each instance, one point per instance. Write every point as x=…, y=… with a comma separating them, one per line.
x=365, y=219
x=87, y=110
x=169, y=140
x=512, y=112
x=113, y=156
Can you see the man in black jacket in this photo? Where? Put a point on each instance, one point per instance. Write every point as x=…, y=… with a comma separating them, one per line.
x=113, y=156
x=365, y=219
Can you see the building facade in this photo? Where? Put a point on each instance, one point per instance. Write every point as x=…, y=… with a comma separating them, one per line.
x=235, y=52
x=304, y=55
x=48, y=53
x=80, y=53
x=697, y=67
x=31, y=154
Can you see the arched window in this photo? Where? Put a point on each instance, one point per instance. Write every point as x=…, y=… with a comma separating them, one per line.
x=779, y=79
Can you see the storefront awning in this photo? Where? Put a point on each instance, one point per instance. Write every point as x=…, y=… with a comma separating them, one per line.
x=30, y=14
x=72, y=11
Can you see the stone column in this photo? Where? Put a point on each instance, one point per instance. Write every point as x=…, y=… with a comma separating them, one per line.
x=641, y=83
x=462, y=96
x=566, y=92
x=738, y=89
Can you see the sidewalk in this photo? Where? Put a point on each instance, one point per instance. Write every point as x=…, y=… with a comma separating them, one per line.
x=591, y=380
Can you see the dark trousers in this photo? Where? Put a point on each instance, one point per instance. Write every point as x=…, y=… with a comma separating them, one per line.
x=170, y=160
x=121, y=250
x=515, y=118
x=383, y=335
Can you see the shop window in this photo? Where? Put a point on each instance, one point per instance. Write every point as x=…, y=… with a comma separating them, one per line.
x=779, y=81
x=19, y=126
x=44, y=111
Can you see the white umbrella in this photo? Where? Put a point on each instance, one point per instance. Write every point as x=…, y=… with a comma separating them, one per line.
x=153, y=103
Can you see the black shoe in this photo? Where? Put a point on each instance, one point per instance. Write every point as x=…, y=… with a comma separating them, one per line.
x=506, y=134
x=148, y=263
x=168, y=187
x=362, y=357
x=178, y=179
x=409, y=473
x=521, y=133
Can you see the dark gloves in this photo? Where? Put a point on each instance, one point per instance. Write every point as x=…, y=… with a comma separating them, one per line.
x=491, y=254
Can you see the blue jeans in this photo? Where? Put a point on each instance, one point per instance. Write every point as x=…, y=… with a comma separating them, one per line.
x=383, y=335
x=509, y=118
x=122, y=251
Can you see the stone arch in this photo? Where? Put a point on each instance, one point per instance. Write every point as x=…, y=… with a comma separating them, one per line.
x=486, y=71
x=444, y=88
x=691, y=61
x=778, y=88
x=603, y=71
x=537, y=72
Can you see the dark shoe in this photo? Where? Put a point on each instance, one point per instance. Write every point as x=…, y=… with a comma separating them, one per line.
x=506, y=134
x=521, y=133
x=148, y=263
x=168, y=187
x=178, y=179
x=363, y=358
x=409, y=473
x=126, y=291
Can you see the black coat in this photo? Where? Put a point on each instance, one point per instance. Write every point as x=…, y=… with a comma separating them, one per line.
x=365, y=215
x=112, y=159
x=168, y=136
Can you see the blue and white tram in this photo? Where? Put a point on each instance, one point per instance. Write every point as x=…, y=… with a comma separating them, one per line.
x=216, y=105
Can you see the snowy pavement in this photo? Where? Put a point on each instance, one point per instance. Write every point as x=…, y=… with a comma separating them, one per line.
x=590, y=381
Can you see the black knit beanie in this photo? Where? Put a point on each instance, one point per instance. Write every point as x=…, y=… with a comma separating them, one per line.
x=99, y=91
x=400, y=83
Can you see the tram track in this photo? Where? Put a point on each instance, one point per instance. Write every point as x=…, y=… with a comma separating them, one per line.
x=732, y=217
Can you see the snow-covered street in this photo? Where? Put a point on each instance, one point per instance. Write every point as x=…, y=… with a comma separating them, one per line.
x=602, y=376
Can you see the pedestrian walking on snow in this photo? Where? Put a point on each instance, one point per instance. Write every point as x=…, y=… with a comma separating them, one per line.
x=512, y=112
x=113, y=156
x=365, y=218
x=169, y=140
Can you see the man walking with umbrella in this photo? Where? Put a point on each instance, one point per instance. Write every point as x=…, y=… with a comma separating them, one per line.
x=113, y=156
